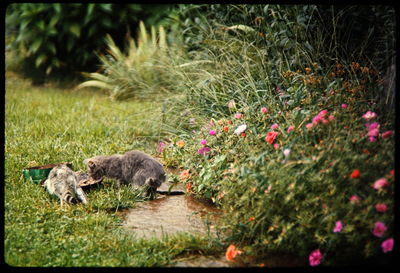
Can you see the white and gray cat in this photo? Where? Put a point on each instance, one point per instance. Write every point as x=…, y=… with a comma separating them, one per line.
x=134, y=168
x=64, y=183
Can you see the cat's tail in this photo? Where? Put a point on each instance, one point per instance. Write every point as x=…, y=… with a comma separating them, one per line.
x=68, y=197
x=71, y=198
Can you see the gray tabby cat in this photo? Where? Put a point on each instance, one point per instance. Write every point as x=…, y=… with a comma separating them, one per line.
x=63, y=182
x=133, y=167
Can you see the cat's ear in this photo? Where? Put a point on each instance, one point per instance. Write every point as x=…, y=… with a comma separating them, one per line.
x=90, y=163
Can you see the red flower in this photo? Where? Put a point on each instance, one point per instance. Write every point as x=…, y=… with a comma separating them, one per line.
x=355, y=174
x=270, y=138
x=381, y=207
x=226, y=129
x=231, y=253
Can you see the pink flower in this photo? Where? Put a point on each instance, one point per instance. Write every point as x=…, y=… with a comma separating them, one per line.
x=316, y=119
x=309, y=125
x=381, y=207
x=238, y=115
x=274, y=126
x=331, y=117
x=203, y=142
x=369, y=115
x=373, y=125
x=212, y=132
x=322, y=113
x=343, y=105
x=264, y=110
x=315, y=257
x=286, y=152
x=379, y=229
x=231, y=104
x=380, y=183
x=373, y=132
x=160, y=147
x=387, y=134
x=290, y=128
x=372, y=139
x=354, y=199
x=204, y=150
x=387, y=245
x=276, y=146
x=338, y=226
x=270, y=138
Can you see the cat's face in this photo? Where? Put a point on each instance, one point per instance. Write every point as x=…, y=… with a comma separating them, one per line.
x=94, y=168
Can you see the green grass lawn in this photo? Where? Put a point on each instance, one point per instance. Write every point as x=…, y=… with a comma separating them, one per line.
x=48, y=125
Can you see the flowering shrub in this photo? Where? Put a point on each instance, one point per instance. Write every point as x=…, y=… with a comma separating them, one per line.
x=299, y=190
x=299, y=162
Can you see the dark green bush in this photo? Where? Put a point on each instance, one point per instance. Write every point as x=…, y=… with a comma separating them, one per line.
x=61, y=39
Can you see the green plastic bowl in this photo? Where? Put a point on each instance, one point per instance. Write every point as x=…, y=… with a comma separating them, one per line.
x=38, y=174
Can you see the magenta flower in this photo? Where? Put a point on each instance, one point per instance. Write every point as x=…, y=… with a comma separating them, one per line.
x=369, y=115
x=381, y=207
x=372, y=139
x=338, y=226
x=290, y=128
x=380, y=183
x=379, y=229
x=343, y=105
x=204, y=150
x=203, y=142
x=387, y=134
x=387, y=245
x=274, y=126
x=264, y=110
x=212, y=132
x=160, y=147
x=315, y=257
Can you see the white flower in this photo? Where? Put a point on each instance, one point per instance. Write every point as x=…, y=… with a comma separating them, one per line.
x=240, y=129
x=231, y=104
x=286, y=152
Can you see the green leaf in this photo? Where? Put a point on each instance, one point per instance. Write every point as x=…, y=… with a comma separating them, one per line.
x=57, y=7
x=106, y=7
x=36, y=44
x=98, y=84
x=70, y=44
x=75, y=29
x=51, y=47
x=40, y=60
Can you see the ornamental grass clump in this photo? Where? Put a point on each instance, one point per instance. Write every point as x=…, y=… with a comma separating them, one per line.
x=140, y=71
